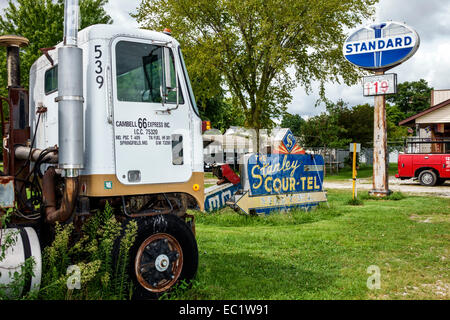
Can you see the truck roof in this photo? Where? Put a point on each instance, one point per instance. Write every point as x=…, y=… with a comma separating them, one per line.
x=106, y=31
x=109, y=31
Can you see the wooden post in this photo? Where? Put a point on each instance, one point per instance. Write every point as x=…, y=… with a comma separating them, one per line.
x=380, y=165
x=354, y=170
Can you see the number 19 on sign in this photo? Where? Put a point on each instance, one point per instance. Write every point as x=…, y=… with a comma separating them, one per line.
x=380, y=84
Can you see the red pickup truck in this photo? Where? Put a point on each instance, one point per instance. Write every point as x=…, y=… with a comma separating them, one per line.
x=429, y=169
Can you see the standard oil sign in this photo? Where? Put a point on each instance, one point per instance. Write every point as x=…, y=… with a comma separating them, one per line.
x=381, y=46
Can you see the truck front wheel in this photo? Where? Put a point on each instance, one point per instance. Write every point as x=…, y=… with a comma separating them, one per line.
x=165, y=252
x=427, y=178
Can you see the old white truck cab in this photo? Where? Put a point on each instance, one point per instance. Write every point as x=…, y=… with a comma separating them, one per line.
x=142, y=130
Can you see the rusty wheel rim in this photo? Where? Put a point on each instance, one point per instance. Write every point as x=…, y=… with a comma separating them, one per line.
x=158, y=262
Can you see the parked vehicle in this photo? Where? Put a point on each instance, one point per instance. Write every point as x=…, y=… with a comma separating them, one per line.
x=429, y=168
x=110, y=116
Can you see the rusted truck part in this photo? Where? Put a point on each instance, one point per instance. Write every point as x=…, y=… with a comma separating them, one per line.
x=7, y=192
x=52, y=214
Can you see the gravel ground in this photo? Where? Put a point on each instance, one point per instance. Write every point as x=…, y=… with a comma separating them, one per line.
x=406, y=186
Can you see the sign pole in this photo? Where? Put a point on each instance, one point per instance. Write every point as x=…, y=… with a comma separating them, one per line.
x=380, y=172
x=380, y=47
x=354, y=170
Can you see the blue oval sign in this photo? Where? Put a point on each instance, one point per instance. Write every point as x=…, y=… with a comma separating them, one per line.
x=380, y=46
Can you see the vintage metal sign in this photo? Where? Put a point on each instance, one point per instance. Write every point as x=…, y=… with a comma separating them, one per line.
x=288, y=145
x=380, y=85
x=217, y=196
x=282, y=181
x=267, y=203
x=285, y=173
x=380, y=46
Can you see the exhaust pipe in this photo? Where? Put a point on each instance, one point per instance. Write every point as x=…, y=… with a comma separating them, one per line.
x=52, y=214
x=70, y=121
x=70, y=95
x=13, y=44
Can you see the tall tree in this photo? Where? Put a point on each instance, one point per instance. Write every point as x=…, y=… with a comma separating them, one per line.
x=412, y=97
x=395, y=132
x=358, y=124
x=221, y=112
x=251, y=45
x=340, y=125
x=294, y=122
x=323, y=131
x=41, y=21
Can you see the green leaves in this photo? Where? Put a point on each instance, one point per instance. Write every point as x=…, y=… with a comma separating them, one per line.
x=248, y=46
x=101, y=254
x=293, y=122
x=411, y=98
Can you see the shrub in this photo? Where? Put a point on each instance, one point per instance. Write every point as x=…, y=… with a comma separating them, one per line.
x=90, y=257
x=355, y=202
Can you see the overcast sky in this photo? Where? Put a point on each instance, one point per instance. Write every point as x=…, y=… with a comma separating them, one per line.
x=431, y=62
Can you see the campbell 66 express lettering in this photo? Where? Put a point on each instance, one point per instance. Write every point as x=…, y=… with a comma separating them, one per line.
x=142, y=131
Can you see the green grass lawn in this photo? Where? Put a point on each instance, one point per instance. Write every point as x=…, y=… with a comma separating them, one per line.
x=325, y=253
x=364, y=172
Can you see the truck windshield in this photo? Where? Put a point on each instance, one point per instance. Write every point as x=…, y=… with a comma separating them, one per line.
x=139, y=73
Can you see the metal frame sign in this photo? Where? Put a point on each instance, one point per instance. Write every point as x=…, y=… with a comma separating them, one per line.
x=217, y=196
x=358, y=147
x=283, y=181
x=381, y=46
x=380, y=85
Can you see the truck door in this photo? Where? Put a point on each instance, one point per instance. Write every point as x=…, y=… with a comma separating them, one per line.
x=445, y=166
x=427, y=160
x=405, y=167
x=151, y=145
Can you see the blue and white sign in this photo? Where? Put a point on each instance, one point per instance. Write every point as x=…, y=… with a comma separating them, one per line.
x=285, y=173
x=217, y=196
x=289, y=140
x=380, y=46
x=281, y=182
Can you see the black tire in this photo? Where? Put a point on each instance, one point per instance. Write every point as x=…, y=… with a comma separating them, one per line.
x=427, y=178
x=158, y=229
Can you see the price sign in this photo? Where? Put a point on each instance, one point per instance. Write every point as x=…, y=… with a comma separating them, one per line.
x=380, y=85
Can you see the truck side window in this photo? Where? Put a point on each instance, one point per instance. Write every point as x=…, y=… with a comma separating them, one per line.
x=188, y=83
x=51, y=80
x=139, y=73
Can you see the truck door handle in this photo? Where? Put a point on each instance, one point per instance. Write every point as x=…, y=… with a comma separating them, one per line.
x=403, y=165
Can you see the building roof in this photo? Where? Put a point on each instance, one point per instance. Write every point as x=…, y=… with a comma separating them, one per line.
x=411, y=120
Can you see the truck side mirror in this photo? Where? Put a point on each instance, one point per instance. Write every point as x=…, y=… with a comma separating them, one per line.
x=167, y=73
x=168, y=64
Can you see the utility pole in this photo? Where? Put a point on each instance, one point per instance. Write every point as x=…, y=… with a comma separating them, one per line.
x=378, y=48
x=380, y=186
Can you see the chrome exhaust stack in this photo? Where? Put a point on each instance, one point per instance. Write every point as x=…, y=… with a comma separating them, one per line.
x=70, y=121
x=70, y=95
